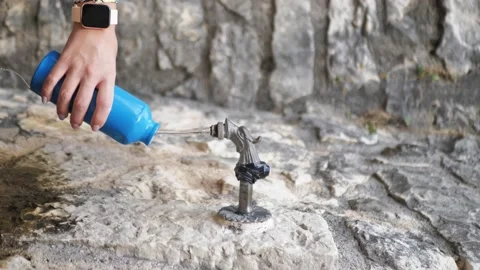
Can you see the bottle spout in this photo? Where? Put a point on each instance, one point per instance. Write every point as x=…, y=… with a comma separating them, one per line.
x=150, y=133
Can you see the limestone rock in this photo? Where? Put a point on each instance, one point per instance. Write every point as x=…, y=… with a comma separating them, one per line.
x=397, y=15
x=159, y=204
x=340, y=174
x=70, y=255
x=469, y=173
x=397, y=9
x=189, y=236
x=9, y=134
x=320, y=22
x=350, y=60
x=192, y=88
x=15, y=17
x=16, y=262
x=77, y=199
x=424, y=192
x=53, y=26
x=335, y=130
x=464, y=161
x=262, y=20
x=303, y=49
x=400, y=90
x=334, y=133
x=293, y=50
x=466, y=150
x=7, y=46
x=139, y=69
x=182, y=32
x=235, y=58
x=391, y=248
x=163, y=61
x=242, y=8
x=460, y=40
x=449, y=114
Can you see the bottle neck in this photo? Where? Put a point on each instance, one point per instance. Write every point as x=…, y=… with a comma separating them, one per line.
x=150, y=132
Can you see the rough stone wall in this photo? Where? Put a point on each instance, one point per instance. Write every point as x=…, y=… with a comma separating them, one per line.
x=418, y=60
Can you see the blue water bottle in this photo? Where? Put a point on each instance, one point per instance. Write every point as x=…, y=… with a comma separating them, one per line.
x=130, y=119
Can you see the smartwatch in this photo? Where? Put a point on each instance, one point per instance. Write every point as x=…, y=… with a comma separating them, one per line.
x=95, y=16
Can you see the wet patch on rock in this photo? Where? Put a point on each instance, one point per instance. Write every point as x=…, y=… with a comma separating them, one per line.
x=29, y=202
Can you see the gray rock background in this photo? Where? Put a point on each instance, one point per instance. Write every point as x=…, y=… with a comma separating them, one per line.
x=416, y=60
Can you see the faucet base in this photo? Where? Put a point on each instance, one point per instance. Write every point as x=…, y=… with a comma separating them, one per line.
x=256, y=215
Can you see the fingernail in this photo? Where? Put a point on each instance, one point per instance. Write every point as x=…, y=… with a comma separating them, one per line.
x=44, y=100
x=95, y=128
x=61, y=117
x=75, y=126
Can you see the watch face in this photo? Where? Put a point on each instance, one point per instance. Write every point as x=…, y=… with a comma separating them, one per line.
x=96, y=16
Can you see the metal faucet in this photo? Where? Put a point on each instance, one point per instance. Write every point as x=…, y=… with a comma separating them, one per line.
x=248, y=170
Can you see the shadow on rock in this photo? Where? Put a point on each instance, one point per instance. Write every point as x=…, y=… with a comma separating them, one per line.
x=29, y=191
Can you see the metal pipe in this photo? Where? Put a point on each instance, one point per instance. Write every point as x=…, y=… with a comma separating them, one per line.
x=245, y=198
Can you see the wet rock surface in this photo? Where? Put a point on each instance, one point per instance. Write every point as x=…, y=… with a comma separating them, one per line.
x=78, y=199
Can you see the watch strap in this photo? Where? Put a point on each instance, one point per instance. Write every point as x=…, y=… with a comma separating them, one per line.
x=113, y=16
x=77, y=15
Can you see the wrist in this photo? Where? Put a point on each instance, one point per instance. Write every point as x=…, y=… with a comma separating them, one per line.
x=78, y=26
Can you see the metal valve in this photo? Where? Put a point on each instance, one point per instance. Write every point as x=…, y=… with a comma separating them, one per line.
x=248, y=170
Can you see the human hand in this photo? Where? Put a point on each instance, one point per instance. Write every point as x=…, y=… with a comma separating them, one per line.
x=88, y=61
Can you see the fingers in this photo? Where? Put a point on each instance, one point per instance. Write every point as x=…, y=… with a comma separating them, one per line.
x=52, y=79
x=82, y=102
x=103, y=103
x=87, y=62
x=70, y=84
